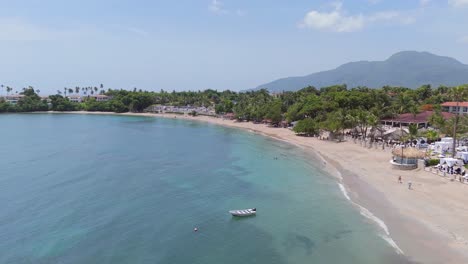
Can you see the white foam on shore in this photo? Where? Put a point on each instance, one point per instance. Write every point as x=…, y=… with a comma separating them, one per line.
x=343, y=190
x=366, y=213
x=392, y=243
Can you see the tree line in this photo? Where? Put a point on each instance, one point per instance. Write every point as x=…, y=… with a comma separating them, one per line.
x=334, y=108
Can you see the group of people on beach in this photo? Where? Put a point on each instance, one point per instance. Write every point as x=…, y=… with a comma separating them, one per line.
x=462, y=177
x=410, y=184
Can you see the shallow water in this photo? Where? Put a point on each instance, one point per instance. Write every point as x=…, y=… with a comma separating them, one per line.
x=116, y=189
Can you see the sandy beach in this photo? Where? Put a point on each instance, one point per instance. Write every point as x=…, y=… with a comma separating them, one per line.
x=428, y=224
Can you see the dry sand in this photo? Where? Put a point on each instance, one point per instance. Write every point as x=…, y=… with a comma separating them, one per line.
x=429, y=223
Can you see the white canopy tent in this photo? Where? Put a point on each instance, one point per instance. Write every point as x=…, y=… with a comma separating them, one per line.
x=451, y=162
x=463, y=156
x=441, y=147
x=447, y=139
x=462, y=149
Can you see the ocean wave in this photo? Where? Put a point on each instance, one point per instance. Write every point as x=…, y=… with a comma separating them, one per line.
x=369, y=215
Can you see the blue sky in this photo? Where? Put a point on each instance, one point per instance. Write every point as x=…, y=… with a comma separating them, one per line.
x=218, y=44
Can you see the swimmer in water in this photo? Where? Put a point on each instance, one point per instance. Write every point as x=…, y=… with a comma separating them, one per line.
x=195, y=229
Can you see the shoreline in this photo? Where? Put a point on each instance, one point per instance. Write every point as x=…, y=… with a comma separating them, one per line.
x=426, y=224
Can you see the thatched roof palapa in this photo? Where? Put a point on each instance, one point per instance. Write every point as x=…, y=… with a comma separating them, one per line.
x=409, y=153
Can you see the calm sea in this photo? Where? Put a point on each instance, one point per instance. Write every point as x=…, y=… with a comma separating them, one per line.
x=116, y=189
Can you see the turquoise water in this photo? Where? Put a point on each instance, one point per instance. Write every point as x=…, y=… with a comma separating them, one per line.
x=115, y=189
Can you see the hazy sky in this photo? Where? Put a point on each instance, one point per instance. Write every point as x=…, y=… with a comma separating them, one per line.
x=218, y=44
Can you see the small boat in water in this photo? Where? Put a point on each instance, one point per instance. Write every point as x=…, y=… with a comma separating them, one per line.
x=244, y=212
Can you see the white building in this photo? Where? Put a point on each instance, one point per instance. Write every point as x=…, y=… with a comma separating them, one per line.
x=13, y=99
x=454, y=107
x=75, y=98
x=100, y=97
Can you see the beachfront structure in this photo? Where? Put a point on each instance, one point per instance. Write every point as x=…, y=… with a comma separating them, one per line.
x=13, y=99
x=406, y=158
x=455, y=107
x=97, y=97
x=100, y=97
x=162, y=109
x=75, y=98
x=421, y=119
x=229, y=116
x=393, y=133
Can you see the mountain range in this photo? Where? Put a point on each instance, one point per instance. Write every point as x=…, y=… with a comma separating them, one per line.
x=407, y=68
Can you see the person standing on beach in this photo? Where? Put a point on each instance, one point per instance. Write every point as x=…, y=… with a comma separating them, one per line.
x=409, y=185
x=399, y=179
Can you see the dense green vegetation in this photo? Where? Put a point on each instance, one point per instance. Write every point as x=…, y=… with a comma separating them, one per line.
x=333, y=108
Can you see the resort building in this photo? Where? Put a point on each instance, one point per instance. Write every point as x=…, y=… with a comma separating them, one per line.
x=421, y=119
x=162, y=109
x=13, y=99
x=100, y=97
x=276, y=94
x=455, y=107
x=75, y=98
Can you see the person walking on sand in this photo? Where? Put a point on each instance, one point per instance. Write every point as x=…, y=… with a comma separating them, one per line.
x=399, y=179
x=409, y=185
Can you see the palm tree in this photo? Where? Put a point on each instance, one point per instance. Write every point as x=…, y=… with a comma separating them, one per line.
x=432, y=135
x=403, y=103
x=70, y=91
x=413, y=131
x=77, y=90
x=458, y=94
x=373, y=122
x=413, y=109
x=2, y=86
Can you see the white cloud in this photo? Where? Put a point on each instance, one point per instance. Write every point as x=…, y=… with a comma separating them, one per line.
x=216, y=7
x=338, y=21
x=391, y=16
x=424, y=2
x=18, y=29
x=241, y=12
x=458, y=3
x=332, y=21
x=138, y=31
x=464, y=39
x=13, y=28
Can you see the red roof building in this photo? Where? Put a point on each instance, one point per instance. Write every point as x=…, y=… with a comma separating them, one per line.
x=455, y=107
x=421, y=119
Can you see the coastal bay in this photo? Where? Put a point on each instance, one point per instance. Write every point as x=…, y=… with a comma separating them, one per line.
x=130, y=189
x=427, y=223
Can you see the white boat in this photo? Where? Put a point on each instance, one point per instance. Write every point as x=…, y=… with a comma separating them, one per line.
x=243, y=212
